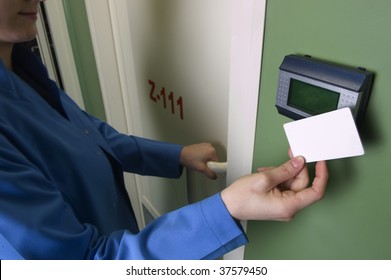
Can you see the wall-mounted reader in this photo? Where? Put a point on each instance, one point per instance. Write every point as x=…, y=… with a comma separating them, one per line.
x=309, y=87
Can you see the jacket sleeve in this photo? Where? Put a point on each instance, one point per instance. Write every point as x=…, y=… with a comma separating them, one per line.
x=142, y=156
x=37, y=222
x=203, y=230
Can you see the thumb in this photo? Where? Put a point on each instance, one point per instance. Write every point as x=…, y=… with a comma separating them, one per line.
x=286, y=171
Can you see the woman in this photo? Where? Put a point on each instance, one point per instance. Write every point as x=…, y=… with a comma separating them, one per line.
x=61, y=187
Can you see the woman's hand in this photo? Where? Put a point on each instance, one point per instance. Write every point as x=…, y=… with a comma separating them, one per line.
x=275, y=193
x=196, y=157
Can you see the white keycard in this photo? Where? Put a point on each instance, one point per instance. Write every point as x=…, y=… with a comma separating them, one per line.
x=331, y=135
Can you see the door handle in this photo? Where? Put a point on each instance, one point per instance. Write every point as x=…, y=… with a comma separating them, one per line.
x=217, y=167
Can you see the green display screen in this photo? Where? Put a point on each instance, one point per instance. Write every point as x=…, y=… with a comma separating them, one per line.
x=311, y=99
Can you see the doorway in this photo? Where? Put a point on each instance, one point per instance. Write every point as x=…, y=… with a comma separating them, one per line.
x=146, y=49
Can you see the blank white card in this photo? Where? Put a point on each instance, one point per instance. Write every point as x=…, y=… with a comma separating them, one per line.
x=327, y=136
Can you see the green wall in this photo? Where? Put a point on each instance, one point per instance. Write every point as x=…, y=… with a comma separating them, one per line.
x=353, y=221
x=75, y=12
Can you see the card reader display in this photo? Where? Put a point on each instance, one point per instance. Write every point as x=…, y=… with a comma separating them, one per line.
x=309, y=87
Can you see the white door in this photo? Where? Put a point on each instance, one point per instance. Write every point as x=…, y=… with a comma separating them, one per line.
x=181, y=71
x=181, y=52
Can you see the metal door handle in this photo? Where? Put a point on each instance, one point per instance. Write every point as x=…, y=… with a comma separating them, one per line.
x=217, y=167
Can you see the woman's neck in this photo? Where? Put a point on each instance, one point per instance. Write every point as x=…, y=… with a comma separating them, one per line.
x=5, y=54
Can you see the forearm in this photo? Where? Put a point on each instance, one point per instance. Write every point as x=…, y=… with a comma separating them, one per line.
x=204, y=230
x=142, y=156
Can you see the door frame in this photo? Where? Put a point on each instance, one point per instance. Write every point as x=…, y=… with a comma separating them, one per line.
x=111, y=39
x=62, y=43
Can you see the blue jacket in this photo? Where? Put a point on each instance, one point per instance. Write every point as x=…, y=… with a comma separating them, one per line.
x=60, y=198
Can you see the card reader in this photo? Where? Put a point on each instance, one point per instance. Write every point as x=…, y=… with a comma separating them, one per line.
x=308, y=87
